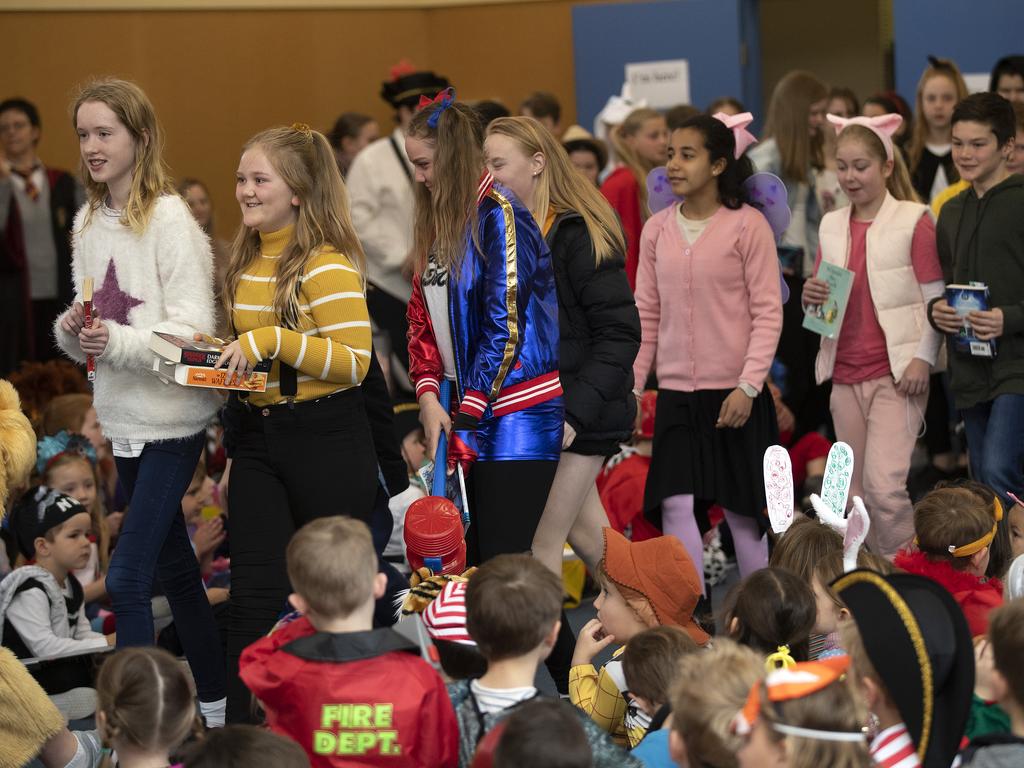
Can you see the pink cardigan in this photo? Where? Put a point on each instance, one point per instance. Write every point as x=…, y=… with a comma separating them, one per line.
x=711, y=311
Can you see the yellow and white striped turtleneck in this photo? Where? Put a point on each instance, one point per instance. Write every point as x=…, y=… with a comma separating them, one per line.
x=330, y=349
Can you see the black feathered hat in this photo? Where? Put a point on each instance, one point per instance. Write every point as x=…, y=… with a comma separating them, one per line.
x=407, y=84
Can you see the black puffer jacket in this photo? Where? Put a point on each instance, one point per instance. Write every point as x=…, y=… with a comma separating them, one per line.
x=599, y=328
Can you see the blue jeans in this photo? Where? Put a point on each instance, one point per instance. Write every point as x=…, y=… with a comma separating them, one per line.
x=995, y=437
x=154, y=532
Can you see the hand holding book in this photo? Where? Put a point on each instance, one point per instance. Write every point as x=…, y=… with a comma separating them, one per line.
x=977, y=324
x=815, y=292
x=205, y=361
x=945, y=317
x=234, y=361
x=987, y=324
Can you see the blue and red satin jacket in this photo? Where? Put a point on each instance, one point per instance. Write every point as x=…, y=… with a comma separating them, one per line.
x=503, y=312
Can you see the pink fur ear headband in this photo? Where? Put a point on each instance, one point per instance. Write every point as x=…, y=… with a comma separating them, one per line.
x=883, y=126
x=738, y=125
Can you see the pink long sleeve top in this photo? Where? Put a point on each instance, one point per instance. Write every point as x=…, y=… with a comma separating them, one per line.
x=711, y=310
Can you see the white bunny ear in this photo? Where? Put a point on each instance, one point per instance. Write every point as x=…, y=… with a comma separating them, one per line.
x=778, y=488
x=826, y=516
x=857, y=526
x=835, y=486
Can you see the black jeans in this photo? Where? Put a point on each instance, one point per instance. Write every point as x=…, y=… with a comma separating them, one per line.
x=290, y=465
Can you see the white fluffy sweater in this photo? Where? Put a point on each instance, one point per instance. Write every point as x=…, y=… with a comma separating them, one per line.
x=159, y=281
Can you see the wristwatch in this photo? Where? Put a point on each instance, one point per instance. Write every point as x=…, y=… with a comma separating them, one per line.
x=748, y=390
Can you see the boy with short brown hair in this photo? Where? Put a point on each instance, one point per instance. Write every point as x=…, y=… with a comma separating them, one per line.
x=513, y=610
x=347, y=693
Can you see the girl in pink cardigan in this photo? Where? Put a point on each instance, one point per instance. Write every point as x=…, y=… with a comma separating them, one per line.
x=711, y=313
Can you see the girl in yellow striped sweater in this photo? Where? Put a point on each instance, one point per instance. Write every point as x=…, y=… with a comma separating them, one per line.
x=295, y=295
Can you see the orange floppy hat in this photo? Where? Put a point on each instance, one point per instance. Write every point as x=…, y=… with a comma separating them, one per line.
x=661, y=570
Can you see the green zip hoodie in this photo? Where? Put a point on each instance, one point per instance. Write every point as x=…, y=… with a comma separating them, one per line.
x=982, y=240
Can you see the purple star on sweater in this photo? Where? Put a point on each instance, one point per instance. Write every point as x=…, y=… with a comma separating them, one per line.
x=110, y=301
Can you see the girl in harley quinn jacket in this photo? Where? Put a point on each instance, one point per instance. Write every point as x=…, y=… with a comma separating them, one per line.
x=484, y=315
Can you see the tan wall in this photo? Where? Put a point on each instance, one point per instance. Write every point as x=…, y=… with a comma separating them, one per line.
x=217, y=77
x=841, y=43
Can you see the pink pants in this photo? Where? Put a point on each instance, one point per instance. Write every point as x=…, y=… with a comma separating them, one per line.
x=882, y=426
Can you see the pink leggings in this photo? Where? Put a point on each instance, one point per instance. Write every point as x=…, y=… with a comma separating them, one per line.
x=677, y=519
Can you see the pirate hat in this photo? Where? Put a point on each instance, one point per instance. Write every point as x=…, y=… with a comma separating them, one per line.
x=918, y=641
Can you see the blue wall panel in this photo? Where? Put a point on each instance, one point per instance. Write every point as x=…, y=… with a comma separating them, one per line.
x=711, y=34
x=974, y=33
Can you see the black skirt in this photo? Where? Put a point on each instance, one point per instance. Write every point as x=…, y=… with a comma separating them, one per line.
x=717, y=466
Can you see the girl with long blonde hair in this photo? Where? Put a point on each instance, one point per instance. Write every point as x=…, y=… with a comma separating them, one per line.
x=295, y=294
x=484, y=316
x=881, y=362
x=640, y=143
x=598, y=325
x=152, y=269
x=930, y=150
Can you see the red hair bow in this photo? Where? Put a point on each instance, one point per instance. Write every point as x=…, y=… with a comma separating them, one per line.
x=443, y=98
x=440, y=103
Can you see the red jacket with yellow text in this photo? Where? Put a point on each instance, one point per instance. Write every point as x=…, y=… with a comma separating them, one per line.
x=353, y=698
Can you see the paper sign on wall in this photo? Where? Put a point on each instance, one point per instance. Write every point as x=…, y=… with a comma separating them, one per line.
x=976, y=82
x=662, y=83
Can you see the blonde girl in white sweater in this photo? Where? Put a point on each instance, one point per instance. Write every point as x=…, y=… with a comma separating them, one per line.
x=152, y=268
x=886, y=350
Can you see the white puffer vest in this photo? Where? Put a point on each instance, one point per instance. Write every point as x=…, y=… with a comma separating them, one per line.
x=895, y=292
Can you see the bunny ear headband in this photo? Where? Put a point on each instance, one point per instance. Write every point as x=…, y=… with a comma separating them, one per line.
x=883, y=126
x=830, y=506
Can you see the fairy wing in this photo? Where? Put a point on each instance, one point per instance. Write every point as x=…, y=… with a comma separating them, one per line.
x=768, y=194
x=659, y=191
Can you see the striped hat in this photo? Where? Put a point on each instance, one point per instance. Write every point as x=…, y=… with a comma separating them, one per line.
x=445, y=617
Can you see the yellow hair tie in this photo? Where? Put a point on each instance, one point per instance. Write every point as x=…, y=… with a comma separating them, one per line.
x=978, y=544
x=781, y=659
x=304, y=129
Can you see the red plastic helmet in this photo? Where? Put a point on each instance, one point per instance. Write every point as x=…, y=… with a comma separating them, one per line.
x=434, y=535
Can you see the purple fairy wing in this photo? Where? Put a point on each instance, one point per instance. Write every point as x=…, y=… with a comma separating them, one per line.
x=659, y=191
x=768, y=194
x=785, y=286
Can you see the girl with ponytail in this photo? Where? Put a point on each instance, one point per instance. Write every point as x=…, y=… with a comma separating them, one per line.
x=145, y=710
x=295, y=294
x=484, y=315
x=639, y=143
x=711, y=314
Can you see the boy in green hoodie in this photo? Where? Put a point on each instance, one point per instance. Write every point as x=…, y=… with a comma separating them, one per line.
x=980, y=237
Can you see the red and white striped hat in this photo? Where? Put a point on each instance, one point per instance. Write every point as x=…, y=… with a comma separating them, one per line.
x=445, y=617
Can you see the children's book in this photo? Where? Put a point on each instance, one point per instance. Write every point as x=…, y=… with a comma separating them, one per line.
x=179, y=349
x=210, y=378
x=826, y=319
x=972, y=297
